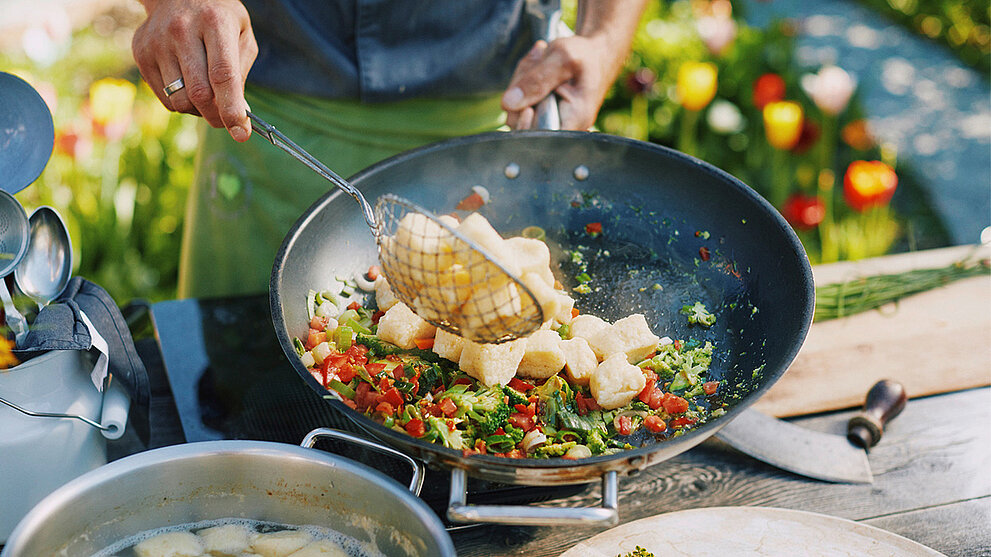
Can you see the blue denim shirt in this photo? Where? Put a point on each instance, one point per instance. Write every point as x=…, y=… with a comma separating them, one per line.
x=386, y=50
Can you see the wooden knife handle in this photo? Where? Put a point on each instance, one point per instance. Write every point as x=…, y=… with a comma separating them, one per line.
x=885, y=400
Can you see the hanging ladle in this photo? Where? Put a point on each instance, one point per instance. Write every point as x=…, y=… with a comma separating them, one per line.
x=13, y=246
x=47, y=266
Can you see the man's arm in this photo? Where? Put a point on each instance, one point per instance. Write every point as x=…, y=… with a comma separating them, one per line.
x=207, y=43
x=579, y=69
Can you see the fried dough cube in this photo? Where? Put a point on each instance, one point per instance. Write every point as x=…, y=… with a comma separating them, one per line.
x=448, y=345
x=280, y=544
x=616, y=381
x=385, y=298
x=402, y=327
x=443, y=293
x=492, y=364
x=543, y=357
x=422, y=247
x=630, y=336
x=567, y=303
x=532, y=256
x=580, y=360
x=585, y=326
x=476, y=228
x=548, y=298
x=226, y=540
x=321, y=548
x=170, y=544
x=490, y=307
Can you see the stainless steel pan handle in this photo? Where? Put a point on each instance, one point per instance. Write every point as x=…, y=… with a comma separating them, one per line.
x=545, y=16
x=459, y=510
x=415, y=483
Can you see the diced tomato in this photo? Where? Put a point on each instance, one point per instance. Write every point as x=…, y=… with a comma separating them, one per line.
x=450, y=426
x=448, y=407
x=424, y=343
x=625, y=425
x=361, y=395
x=592, y=404
x=710, y=387
x=416, y=427
x=318, y=323
x=515, y=453
x=393, y=397
x=314, y=338
x=461, y=381
x=354, y=305
x=521, y=421
x=373, y=273
x=574, y=312
x=677, y=345
x=346, y=373
x=433, y=409
x=704, y=253
x=528, y=410
x=385, y=408
x=675, y=405
x=682, y=421
x=522, y=407
x=593, y=228
x=471, y=203
x=376, y=316
x=647, y=390
x=520, y=386
x=654, y=423
x=480, y=447
x=656, y=399
x=580, y=403
x=375, y=368
x=384, y=384
x=399, y=372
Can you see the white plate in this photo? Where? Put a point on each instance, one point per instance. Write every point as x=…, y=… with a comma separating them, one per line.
x=747, y=531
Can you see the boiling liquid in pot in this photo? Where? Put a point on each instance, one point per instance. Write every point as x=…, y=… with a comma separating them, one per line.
x=348, y=546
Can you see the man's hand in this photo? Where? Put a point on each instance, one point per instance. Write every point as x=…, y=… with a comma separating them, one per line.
x=580, y=68
x=210, y=45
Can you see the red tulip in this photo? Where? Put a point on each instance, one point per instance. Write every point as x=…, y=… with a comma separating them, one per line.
x=869, y=184
x=768, y=88
x=804, y=211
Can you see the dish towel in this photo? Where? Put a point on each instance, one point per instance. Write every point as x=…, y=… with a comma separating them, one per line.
x=85, y=317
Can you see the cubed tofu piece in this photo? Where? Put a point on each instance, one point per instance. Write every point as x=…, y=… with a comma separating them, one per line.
x=448, y=345
x=490, y=307
x=443, y=293
x=385, y=298
x=548, y=298
x=543, y=357
x=321, y=548
x=579, y=360
x=421, y=248
x=170, y=544
x=532, y=256
x=564, y=314
x=476, y=228
x=585, y=326
x=227, y=540
x=616, y=381
x=280, y=544
x=492, y=364
x=402, y=327
x=630, y=336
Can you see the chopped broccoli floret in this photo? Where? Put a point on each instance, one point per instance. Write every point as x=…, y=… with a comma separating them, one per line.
x=486, y=409
x=515, y=397
x=452, y=437
x=595, y=442
x=699, y=315
x=378, y=347
x=516, y=433
x=555, y=449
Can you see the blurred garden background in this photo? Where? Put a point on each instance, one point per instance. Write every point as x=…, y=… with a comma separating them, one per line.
x=866, y=122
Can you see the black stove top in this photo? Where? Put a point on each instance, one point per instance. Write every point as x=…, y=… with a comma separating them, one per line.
x=231, y=380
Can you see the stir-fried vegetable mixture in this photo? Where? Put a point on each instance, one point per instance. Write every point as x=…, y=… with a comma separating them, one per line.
x=416, y=391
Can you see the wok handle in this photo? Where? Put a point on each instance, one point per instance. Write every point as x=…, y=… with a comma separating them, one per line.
x=459, y=510
x=545, y=16
x=415, y=483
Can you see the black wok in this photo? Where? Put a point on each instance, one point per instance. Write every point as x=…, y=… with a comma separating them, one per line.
x=658, y=207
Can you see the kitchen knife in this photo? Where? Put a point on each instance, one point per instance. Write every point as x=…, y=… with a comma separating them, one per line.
x=829, y=457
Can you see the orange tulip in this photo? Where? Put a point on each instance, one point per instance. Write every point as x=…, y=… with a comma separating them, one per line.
x=696, y=84
x=783, y=123
x=869, y=184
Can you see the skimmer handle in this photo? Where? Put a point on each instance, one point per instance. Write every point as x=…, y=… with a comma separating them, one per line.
x=277, y=138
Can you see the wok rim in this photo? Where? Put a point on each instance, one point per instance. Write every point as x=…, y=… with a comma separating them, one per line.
x=634, y=458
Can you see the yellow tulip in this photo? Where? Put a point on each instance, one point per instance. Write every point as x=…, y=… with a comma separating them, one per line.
x=783, y=123
x=696, y=84
x=111, y=100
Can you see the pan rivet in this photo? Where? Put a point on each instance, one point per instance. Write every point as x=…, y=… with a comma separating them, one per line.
x=581, y=172
x=512, y=170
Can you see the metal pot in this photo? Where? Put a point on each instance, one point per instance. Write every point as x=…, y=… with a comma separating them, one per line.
x=216, y=479
x=661, y=210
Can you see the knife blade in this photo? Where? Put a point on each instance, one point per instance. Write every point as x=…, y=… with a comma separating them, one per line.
x=823, y=456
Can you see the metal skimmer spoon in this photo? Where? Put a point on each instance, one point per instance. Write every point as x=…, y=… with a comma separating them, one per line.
x=47, y=266
x=13, y=246
x=446, y=278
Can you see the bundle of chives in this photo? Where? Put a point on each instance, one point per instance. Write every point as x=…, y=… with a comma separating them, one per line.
x=862, y=294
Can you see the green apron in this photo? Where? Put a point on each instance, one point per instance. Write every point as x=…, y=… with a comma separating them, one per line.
x=245, y=197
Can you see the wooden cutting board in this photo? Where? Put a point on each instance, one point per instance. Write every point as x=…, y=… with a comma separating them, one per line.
x=934, y=342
